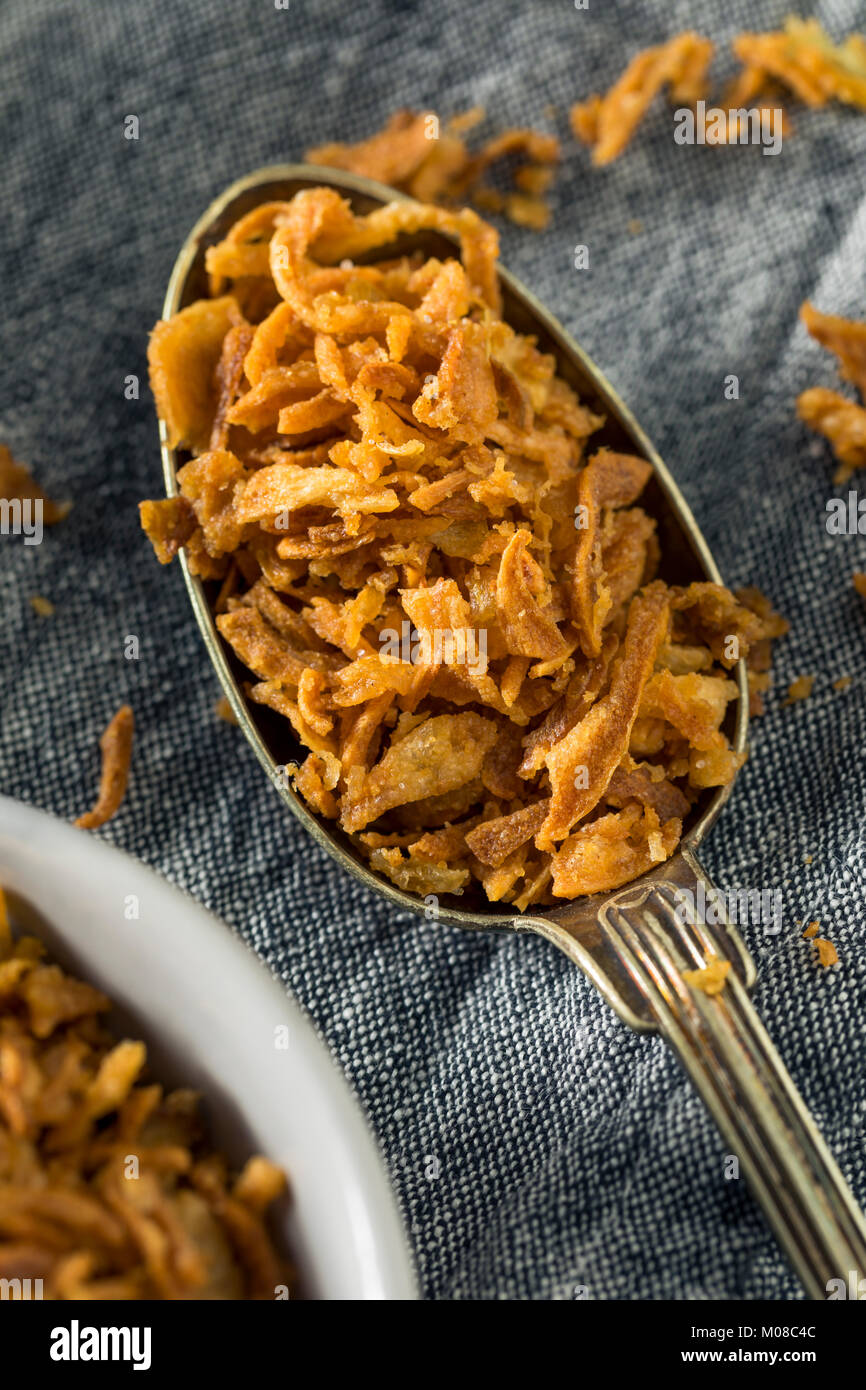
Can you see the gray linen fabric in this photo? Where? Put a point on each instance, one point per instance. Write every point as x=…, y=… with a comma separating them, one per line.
x=568, y=1152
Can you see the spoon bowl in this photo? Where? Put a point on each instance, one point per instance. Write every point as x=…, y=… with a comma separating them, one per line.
x=635, y=943
x=685, y=553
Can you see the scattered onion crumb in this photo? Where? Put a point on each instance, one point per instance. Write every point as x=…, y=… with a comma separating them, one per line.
x=116, y=748
x=840, y=420
x=443, y=170
x=534, y=178
x=710, y=980
x=799, y=689
x=635, y=226
x=526, y=211
x=224, y=710
x=801, y=59
x=858, y=579
x=842, y=683
x=43, y=606
x=16, y=481
x=827, y=953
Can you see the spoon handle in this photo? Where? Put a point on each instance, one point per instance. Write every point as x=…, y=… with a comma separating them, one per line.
x=724, y=1048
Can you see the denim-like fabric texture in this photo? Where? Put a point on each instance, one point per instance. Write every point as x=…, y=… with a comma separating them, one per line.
x=568, y=1152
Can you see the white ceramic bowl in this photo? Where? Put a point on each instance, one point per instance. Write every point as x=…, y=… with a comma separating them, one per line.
x=209, y=1010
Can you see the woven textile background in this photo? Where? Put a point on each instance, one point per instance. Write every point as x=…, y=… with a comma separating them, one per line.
x=569, y=1151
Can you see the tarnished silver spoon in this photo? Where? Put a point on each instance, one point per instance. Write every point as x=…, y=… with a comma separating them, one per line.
x=635, y=943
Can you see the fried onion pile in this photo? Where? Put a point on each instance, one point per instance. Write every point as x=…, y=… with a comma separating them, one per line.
x=108, y=1186
x=430, y=570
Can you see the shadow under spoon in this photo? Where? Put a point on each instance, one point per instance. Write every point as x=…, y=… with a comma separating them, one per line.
x=635, y=943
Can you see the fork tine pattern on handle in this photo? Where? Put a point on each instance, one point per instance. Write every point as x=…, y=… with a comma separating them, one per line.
x=725, y=1050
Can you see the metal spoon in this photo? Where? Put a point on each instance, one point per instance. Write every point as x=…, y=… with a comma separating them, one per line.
x=634, y=944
